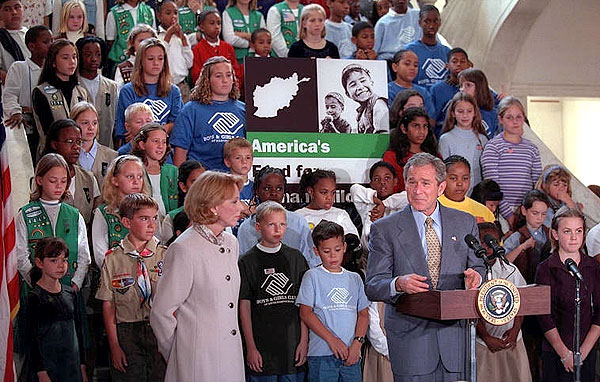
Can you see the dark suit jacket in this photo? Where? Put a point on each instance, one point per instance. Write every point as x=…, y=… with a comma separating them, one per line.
x=395, y=249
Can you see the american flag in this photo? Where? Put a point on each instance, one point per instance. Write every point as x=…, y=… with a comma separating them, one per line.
x=9, y=280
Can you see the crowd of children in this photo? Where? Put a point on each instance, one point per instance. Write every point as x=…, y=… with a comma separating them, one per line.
x=127, y=103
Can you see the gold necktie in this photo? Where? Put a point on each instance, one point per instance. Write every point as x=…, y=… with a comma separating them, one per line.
x=434, y=252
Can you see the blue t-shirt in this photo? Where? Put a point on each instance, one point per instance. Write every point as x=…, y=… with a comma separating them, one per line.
x=203, y=129
x=336, y=299
x=164, y=109
x=432, y=62
x=246, y=195
x=247, y=192
x=125, y=149
x=490, y=121
x=394, y=89
x=441, y=94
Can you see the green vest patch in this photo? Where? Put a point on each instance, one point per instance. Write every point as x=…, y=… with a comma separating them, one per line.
x=239, y=25
x=124, y=24
x=39, y=226
x=116, y=230
x=290, y=24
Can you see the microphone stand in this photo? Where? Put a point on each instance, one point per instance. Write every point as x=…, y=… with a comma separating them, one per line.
x=576, y=339
x=472, y=332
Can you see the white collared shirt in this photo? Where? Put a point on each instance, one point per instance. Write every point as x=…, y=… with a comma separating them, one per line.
x=180, y=57
x=86, y=159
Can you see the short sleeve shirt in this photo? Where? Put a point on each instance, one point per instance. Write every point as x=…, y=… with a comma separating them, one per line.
x=118, y=280
x=271, y=282
x=336, y=299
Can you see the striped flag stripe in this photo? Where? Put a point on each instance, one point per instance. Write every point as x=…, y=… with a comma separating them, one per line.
x=9, y=281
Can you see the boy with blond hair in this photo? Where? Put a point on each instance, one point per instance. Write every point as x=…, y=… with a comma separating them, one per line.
x=136, y=116
x=276, y=339
x=238, y=158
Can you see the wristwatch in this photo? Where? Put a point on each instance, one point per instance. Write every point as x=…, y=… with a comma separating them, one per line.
x=360, y=339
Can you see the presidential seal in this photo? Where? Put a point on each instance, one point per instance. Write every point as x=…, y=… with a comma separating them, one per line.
x=498, y=301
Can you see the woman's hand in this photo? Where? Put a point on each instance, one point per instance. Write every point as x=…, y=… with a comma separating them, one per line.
x=567, y=361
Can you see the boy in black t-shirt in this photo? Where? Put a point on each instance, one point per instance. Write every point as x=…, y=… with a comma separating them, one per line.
x=275, y=338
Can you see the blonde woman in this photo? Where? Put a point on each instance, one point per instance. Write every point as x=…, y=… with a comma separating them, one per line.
x=195, y=311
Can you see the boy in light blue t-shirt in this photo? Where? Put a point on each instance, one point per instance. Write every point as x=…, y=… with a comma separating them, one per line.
x=334, y=306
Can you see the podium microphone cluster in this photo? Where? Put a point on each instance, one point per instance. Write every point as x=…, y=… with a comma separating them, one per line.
x=499, y=251
x=572, y=267
x=473, y=243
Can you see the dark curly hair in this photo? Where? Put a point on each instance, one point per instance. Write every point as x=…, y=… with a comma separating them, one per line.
x=399, y=142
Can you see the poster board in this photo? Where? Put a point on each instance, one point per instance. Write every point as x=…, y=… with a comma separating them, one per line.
x=291, y=106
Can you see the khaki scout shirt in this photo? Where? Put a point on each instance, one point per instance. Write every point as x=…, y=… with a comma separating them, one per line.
x=118, y=281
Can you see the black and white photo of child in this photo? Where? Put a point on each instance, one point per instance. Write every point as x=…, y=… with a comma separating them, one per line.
x=372, y=114
x=333, y=121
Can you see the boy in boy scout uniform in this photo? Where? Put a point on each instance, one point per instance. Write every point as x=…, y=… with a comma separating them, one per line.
x=129, y=277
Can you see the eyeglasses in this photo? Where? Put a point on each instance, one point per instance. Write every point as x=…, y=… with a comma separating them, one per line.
x=72, y=142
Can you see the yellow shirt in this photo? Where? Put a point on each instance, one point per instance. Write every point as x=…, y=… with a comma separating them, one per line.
x=470, y=206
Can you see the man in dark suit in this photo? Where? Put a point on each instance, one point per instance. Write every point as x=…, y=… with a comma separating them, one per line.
x=415, y=250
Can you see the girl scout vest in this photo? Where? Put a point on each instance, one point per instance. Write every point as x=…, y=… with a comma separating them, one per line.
x=116, y=230
x=168, y=186
x=187, y=20
x=290, y=24
x=106, y=105
x=174, y=213
x=239, y=25
x=124, y=25
x=104, y=156
x=58, y=105
x=83, y=200
x=39, y=226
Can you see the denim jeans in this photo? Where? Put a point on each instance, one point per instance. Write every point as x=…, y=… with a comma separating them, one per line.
x=299, y=377
x=331, y=369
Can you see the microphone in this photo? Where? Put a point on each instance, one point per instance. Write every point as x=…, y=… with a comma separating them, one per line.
x=499, y=251
x=473, y=243
x=572, y=267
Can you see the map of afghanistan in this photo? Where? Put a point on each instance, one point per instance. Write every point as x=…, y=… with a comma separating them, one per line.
x=275, y=95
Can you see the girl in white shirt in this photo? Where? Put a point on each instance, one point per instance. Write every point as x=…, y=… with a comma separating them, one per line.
x=321, y=188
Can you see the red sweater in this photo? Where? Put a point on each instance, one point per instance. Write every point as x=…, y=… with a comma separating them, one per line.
x=390, y=157
x=203, y=51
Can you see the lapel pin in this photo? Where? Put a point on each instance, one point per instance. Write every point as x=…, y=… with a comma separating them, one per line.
x=453, y=238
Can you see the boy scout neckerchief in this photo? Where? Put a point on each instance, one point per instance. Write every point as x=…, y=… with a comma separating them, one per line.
x=143, y=279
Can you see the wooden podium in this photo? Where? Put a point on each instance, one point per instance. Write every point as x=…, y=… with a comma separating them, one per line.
x=462, y=304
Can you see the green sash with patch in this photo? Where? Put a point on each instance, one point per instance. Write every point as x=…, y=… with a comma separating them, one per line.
x=187, y=20
x=116, y=230
x=290, y=24
x=239, y=25
x=124, y=24
x=39, y=226
x=168, y=186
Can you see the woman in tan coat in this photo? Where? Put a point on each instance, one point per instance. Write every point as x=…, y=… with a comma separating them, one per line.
x=194, y=313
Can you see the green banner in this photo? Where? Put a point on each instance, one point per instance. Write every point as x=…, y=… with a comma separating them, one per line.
x=318, y=145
